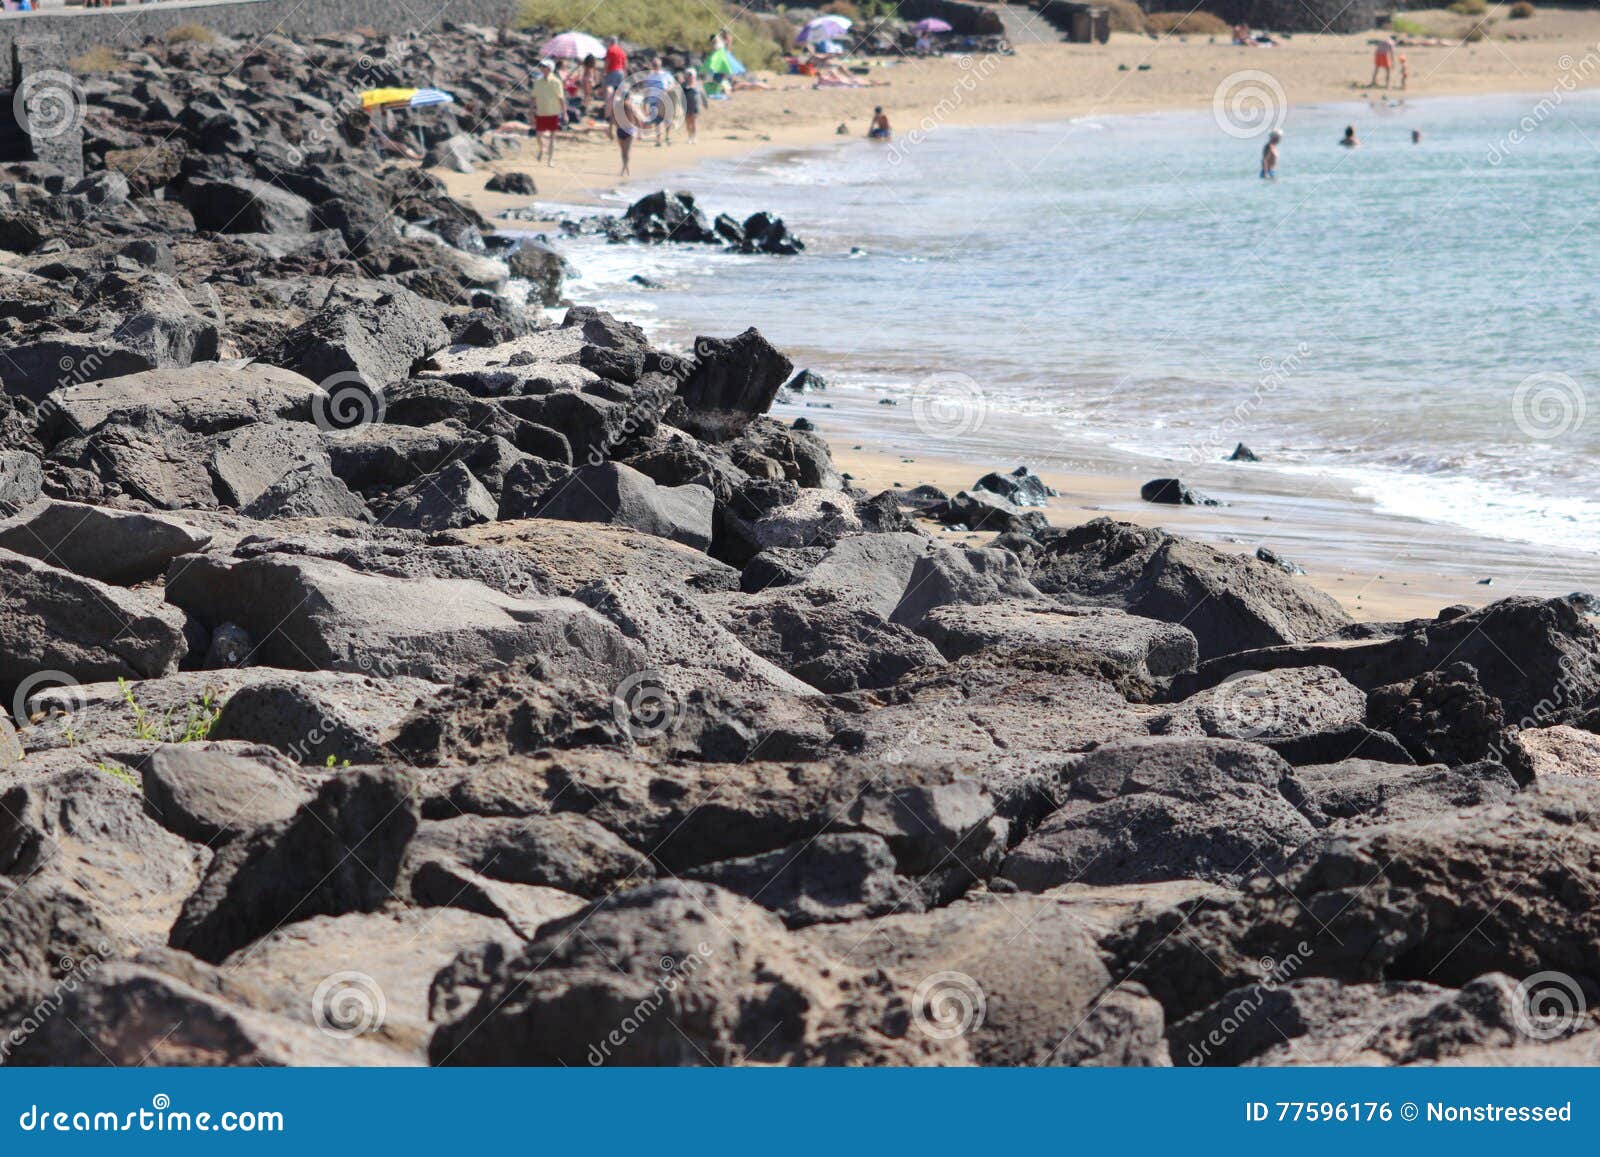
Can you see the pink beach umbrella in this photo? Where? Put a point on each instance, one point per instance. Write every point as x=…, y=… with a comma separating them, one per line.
x=573, y=46
x=931, y=25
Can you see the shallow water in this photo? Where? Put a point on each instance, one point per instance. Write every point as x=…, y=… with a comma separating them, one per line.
x=1410, y=322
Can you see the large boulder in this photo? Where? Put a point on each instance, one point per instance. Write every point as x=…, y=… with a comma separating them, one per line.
x=1127, y=644
x=57, y=622
x=962, y=576
x=112, y=546
x=1229, y=602
x=734, y=377
x=1019, y=978
x=244, y=205
x=318, y=615
x=619, y=495
x=340, y=852
x=1165, y=809
x=206, y=398
x=681, y=974
x=363, y=340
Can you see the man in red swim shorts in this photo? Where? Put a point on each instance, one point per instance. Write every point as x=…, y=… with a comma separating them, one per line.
x=1382, y=61
x=549, y=106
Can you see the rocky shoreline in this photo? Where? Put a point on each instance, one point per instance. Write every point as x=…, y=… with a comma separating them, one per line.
x=401, y=678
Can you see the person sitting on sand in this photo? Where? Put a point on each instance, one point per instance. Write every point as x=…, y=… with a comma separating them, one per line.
x=1349, y=141
x=1382, y=61
x=549, y=106
x=1242, y=37
x=1269, y=156
x=880, y=130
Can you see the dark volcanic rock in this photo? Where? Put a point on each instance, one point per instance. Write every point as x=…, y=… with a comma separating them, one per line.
x=1230, y=602
x=1172, y=492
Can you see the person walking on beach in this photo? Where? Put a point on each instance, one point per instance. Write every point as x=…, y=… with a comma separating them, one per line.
x=880, y=130
x=660, y=106
x=1269, y=156
x=694, y=101
x=549, y=106
x=1349, y=140
x=1382, y=61
x=620, y=124
x=616, y=65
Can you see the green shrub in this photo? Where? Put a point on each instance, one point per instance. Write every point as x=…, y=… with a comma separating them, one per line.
x=1470, y=7
x=1406, y=26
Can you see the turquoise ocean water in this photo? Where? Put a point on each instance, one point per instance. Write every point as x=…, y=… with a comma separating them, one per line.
x=1413, y=322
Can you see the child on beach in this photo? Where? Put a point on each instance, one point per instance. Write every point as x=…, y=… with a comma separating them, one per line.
x=1269, y=156
x=619, y=124
x=880, y=130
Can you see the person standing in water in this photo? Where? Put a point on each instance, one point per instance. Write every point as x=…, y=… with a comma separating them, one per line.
x=1349, y=141
x=1269, y=156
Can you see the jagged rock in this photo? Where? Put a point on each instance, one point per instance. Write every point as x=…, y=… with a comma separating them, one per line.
x=618, y=495
x=718, y=967
x=1229, y=602
x=542, y=266
x=960, y=575
x=210, y=797
x=1369, y=791
x=1442, y=715
x=448, y=500
x=828, y=879
x=208, y=398
x=307, y=613
x=21, y=481
x=1441, y=898
x=734, y=376
x=1017, y=977
x=1269, y=705
x=340, y=852
x=55, y=621
x=518, y=184
x=565, y=851
x=112, y=546
x=1560, y=750
x=309, y=490
x=345, y=719
x=829, y=641
x=1143, y=648
x=1022, y=487
x=363, y=340
x=242, y=205
x=1163, y=809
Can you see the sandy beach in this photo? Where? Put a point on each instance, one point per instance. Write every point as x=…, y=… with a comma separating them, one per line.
x=1130, y=74
x=1378, y=567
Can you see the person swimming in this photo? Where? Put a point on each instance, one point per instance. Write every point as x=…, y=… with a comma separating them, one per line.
x=1349, y=140
x=1269, y=156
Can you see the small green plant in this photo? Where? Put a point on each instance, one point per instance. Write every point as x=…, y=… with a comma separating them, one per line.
x=1470, y=7
x=117, y=772
x=201, y=717
x=1406, y=26
x=333, y=762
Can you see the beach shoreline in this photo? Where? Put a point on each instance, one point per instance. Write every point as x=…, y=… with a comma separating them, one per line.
x=1378, y=565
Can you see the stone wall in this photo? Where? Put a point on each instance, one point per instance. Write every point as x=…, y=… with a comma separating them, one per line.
x=130, y=25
